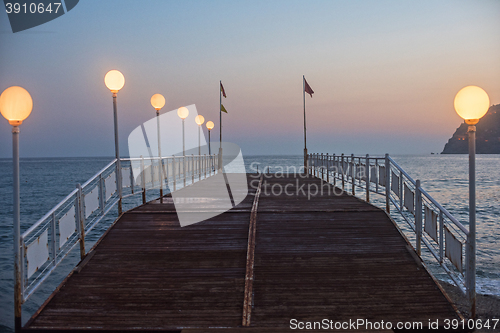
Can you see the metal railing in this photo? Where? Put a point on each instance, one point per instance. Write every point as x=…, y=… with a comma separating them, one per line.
x=443, y=236
x=48, y=241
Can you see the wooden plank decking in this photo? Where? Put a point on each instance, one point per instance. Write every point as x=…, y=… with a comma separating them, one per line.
x=326, y=256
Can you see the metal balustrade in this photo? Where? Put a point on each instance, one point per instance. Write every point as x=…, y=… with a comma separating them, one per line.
x=48, y=241
x=443, y=236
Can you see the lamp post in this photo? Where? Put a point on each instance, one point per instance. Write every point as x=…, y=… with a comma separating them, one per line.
x=158, y=101
x=210, y=125
x=114, y=80
x=199, y=121
x=16, y=105
x=471, y=103
x=183, y=112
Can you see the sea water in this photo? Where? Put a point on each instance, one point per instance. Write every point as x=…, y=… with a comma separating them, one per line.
x=46, y=181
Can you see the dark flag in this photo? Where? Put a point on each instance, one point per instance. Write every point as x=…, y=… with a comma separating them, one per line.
x=222, y=89
x=307, y=88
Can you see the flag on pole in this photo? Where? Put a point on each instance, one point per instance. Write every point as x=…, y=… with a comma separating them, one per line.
x=222, y=108
x=223, y=92
x=307, y=88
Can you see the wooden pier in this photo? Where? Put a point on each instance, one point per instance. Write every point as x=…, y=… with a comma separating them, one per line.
x=274, y=257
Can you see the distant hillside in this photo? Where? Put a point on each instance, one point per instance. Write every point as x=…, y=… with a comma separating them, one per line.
x=487, y=135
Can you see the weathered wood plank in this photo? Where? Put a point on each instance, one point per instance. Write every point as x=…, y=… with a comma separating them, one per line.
x=317, y=255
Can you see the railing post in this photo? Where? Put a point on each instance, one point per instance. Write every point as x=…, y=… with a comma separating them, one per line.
x=318, y=169
x=101, y=193
x=316, y=164
x=327, y=168
x=22, y=270
x=377, y=176
x=441, y=237
x=173, y=172
x=143, y=181
x=119, y=184
x=353, y=174
x=306, y=165
x=367, y=178
x=387, y=184
x=53, y=238
x=400, y=191
x=184, y=169
x=418, y=217
x=310, y=163
x=166, y=173
x=81, y=220
x=205, y=164
x=342, y=170
x=334, y=170
x=199, y=166
x=313, y=164
x=322, y=166
x=132, y=180
x=192, y=168
x=152, y=170
x=160, y=175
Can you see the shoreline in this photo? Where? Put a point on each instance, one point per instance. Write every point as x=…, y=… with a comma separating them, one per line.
x=487, y=306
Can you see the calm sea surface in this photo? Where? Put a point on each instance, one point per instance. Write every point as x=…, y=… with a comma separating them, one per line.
x=46, y=181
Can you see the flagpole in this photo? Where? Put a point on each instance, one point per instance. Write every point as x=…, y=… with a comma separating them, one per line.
x=305, y=140
x=220, y=114
x=220, y=125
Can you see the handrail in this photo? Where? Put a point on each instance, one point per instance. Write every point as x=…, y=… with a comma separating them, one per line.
x=46, y=216
x=401, y=169
x=91, y=179
x=446, y=212
x=92, y=201
x=163, y=157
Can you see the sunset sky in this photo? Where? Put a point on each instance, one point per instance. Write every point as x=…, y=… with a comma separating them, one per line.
x=384, y=72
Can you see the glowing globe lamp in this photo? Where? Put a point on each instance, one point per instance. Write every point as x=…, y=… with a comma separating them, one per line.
x=471, y=103
x=158, y=101
x=199, y=120
x=114, y=80
x=183, y=112
x=15, y=105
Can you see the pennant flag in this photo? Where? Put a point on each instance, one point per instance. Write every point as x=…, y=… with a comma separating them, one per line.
x=223, y=92
x=307, y=88
x=222, y=108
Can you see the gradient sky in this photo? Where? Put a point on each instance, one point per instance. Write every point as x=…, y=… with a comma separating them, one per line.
x=384, y=72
